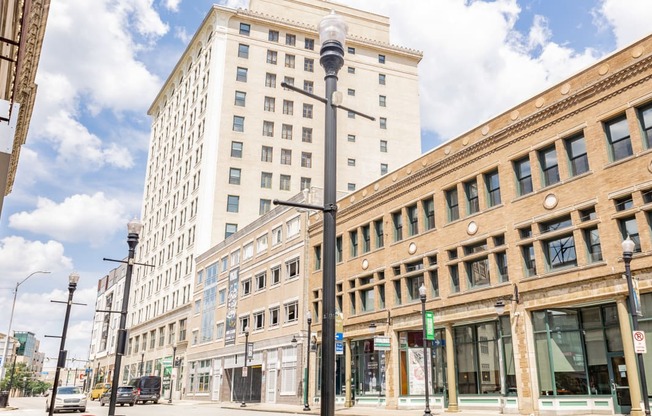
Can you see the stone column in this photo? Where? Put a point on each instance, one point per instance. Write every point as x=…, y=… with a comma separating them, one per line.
x=630, y=357
x=347, y=372
x=450, y=370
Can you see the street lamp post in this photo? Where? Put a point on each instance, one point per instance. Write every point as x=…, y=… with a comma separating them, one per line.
x=61, y=362
x=306, y=406
x=11, y=378
x=11, y=319
x=332, y=34
x=628, y=249
x=245, y=367
x=174, y=357
x=422, y=296
x=134, y=227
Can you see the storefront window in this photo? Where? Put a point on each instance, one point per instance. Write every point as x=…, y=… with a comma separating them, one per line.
x=645, y=324
x=478, y=365
x=411, y=363
x=367, y=368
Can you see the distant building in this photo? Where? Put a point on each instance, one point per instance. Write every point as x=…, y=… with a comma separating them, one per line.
x=28, y=351
x=22, y=27
x=227, y=139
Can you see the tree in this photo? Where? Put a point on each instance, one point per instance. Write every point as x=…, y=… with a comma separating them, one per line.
x=23, y=379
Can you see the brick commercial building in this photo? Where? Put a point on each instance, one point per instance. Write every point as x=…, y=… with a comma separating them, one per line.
x=527, y=211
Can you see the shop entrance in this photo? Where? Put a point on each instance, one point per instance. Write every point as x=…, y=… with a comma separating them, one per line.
x=619, y=383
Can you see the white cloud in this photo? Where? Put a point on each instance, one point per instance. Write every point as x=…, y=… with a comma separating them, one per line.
x=468, y=76
x=79, y=218
x=172, y=5
x=182, y=34
x=20, y=257
x=629, y=19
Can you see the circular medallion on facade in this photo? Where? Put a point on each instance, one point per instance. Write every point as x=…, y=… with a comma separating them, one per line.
x=412, y=248
x=540, y=101
x=603, y=69
x=424, y=163
x=352, y=199
x=447, y=150
x=364, y=193
x=408, y=171
x=394, y=177
x=472, y=228
x=485, y=130
x=465, y=141
x=565, y=89
x=365, y=264
x=550, y=201
x=637, y=52
x=376, y=187
x=513, y=115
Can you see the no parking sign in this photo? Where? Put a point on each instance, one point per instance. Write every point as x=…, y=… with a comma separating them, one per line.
x=639, y=342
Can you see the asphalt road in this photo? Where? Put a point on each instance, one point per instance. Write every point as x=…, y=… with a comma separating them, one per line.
x=36, y=406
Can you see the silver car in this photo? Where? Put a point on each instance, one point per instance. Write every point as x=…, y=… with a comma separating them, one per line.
x=68, y=398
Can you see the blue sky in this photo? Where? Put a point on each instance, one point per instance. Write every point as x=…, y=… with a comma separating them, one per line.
x=81, y=173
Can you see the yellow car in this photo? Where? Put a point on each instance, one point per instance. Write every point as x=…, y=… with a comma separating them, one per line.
x=99, y=389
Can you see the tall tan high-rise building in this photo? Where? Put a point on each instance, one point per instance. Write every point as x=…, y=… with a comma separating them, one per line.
x=227, y=139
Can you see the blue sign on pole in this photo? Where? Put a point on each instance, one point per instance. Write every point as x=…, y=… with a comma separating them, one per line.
x=339, y=348
x=339, y=336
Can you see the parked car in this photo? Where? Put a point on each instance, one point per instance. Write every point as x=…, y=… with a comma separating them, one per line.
x=68, y=398
x=99, y=390
x=148, y=388
x=124, y=395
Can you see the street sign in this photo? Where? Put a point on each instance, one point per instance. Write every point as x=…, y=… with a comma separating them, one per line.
x=339, y=348
x=430, y=325
x=381, y=343
x=339, y=336
x=244, y=371
x=339, y=327
x=639, y=342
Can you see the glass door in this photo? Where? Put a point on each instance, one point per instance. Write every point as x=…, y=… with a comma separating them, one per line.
x=619, y=383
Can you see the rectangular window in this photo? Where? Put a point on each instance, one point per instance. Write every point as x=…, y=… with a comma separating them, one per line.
x=288, y=107
x=351, y=70
x=240, y=98
x=472, y=201
x=351, y=92
x=288, y=80
x=492, y=183
x=413, y=219
x=383, y=146
x=381, y=79
x=317, y=254
x=629, y=227
x=350, y=186
x=232, y=203
x=276, y=274
x=383, y=123
x=246, y=287
x=529, y=260
x=244, y=324
x=308, y=64
x=306, y=134
x=428, y=213
x=268, y=128
x=379, y=233
x=351, y=50
x=291, y=312
x=236, y=149
x=266, y=154
x=384, y=168
x=307, y=110
x=397, y=221
x=270, y=80
x=350, y=162
x=230, y=229
x=452, y=205
x=306, y=160
x=241, y=74
x=266, y=180
x=382, y=101
x=381, y=59
x=261, y=244
x=264, y=206
x=234, y=176
x=338, y=249
x=308, y=86
x=305, y=183
x=261, y=281
x=549, y=165
x=286, y=131
x=273, y=36
x=353, y=241
x=398, y=295
x=556, y=224
x=238, y=123
x=576, y=153
x=269, y=104
x=366, y=239
x=286, y=157
x=274, y=316
x=477, y=272
x=350, y=138
x=645, y=118
x=455, y=278
x=523, y=176
x=620, y=144
x=624, y=203
x=259, y=320
x=593, y=246
x=245, y=29
x=501, y=266
x=309, y=44
x=560, y=252
x=285, y=183
x=243, y=51
x=290, y=60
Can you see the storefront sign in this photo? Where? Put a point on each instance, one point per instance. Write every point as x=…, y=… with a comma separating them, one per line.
x=430, y=325
x=639, y=342
x=381, y=343
x=231, y=307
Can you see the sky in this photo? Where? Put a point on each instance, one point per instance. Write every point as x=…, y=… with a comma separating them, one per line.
x=81, y=172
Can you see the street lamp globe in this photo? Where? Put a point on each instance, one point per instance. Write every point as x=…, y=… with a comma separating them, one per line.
x=628, y=245
x=73, y=278
x=500, y=307
x=134, y=226
x=422, y=292
x=333, y=28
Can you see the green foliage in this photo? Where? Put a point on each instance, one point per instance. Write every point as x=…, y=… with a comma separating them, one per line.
x=23, y=380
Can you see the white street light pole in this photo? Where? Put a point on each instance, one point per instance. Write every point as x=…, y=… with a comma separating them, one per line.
x=11, y=319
